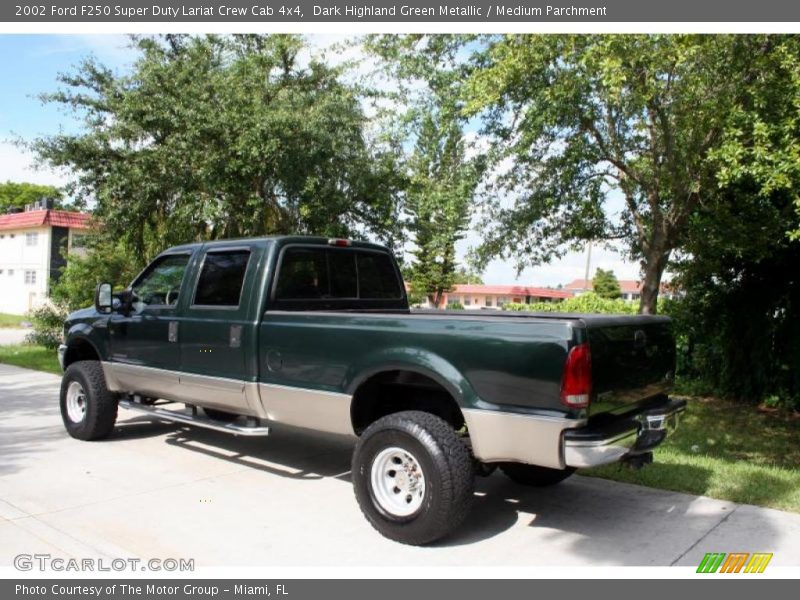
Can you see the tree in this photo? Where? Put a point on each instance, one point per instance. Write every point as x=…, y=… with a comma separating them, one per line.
x=213, y=137
x=104, y=261
x=586, y=118
x=606, y=285
x=466, y=275
x=18, y=194
x=443, y=172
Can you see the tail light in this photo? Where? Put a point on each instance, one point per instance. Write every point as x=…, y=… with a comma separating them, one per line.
x=339, y=242
x=576, y=381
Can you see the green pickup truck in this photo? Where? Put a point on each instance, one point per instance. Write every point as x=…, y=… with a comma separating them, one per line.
x=243, y=335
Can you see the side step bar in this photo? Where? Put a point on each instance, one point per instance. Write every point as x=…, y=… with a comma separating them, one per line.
x=195, y=419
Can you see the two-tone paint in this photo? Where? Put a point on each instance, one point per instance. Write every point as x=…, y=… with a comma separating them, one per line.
x=304, y=367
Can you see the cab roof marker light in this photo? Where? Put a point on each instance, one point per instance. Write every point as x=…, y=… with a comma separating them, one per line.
x=339, y=242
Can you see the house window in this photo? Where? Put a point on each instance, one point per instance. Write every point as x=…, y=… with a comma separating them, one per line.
x=501, y=301
x=467, y=301
x=488, y=300
x=30, y=277
x=78, y=240
x=454, y=299
x=32, y=239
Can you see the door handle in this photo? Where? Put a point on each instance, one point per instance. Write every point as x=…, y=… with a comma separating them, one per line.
x=172, y=334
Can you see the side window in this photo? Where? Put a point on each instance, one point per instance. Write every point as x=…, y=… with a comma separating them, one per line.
x=377, y=278
x=303, y=275
x=160, y=284
x=221, y=279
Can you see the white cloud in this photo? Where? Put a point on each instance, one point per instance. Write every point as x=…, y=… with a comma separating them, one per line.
x=17, y=164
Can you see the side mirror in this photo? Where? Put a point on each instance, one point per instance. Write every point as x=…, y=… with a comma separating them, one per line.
x=103, y=299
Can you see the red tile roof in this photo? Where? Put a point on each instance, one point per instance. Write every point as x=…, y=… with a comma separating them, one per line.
x=45, y=218
x=628, y=286
x=511, y=290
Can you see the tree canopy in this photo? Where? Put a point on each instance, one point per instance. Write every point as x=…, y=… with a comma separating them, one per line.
x=624, y=137
x=606, y=285
x=212, y=137
x=14, y=194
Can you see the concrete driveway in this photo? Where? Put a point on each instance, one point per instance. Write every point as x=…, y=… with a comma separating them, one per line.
x=160, y=490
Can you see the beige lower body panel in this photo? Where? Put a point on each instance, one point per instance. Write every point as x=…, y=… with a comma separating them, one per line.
x=231, y=395
x=313, y=409
x=511, y=437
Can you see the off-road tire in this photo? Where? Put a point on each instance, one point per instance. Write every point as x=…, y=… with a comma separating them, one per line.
x=100, y=404
x=445, y=462
x=220, y=415
x=533, y=475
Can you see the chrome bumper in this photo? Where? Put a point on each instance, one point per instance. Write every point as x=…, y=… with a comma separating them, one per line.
x=629, y=436
x=62, y=349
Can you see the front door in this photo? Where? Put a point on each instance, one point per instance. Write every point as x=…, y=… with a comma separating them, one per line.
x=144, y=343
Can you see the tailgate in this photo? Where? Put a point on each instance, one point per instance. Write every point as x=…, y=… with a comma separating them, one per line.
x=633, y=358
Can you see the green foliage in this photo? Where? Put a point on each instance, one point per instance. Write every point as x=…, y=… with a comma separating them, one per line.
x=584, y=304
x=652, y=118
x=18, y=194
x=48, y=325
x=464, y=275
x=606, y=285
x=218, y=137
x=442, y=177
x=103, y=261
x=455, y=306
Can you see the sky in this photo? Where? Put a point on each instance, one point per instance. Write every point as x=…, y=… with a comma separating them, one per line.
x=31, y=65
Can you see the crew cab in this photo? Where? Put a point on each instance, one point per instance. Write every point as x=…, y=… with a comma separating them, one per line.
x=244, y=335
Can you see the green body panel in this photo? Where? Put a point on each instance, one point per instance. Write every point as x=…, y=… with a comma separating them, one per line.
x=487, y=360
x=480, y=360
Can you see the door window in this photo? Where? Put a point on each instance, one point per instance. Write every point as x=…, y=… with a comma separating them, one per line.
x=160, y=284
x=222, y=278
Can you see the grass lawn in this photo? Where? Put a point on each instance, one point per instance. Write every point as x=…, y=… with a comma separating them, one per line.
x=7, y=320
x=726, y=451
x=30, y=357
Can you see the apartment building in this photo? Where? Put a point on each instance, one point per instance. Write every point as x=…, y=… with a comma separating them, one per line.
x=31, y=257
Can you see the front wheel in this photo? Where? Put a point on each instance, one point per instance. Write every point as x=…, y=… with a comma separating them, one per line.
x=534, y=475
x=413, y=477
x=88, y=408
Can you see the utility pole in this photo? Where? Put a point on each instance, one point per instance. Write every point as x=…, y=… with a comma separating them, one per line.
x=588, y=265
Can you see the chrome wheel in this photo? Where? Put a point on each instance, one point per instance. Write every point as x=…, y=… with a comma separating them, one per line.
x=398, y=482
x=76, y=402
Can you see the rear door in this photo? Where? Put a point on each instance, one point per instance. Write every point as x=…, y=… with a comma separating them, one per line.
x=217, y=330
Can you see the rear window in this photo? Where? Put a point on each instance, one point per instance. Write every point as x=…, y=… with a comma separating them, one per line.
x=334, y=274
x=222, y=278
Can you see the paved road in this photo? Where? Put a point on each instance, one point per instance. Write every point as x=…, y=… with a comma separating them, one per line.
x=158, y=490
x=12, y=336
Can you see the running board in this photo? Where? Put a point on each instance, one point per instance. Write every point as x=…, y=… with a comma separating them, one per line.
x=195, y=420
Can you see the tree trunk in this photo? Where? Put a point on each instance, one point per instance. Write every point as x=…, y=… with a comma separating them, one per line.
x=653, y=267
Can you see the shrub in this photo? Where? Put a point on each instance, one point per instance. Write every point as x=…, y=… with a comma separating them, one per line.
x=48, y=325
x=585, y=303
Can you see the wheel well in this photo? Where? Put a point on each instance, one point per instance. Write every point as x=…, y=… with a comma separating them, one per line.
x=79, y=349
x=395, y=391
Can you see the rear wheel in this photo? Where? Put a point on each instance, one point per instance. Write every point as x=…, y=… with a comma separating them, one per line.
x=88, y=408
x=413, y=477
x=534, y=475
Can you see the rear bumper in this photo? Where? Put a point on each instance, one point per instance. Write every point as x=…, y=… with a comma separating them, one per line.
x=612, y=440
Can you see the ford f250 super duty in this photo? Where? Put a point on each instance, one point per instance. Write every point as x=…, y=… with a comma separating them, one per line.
x=317, y=333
